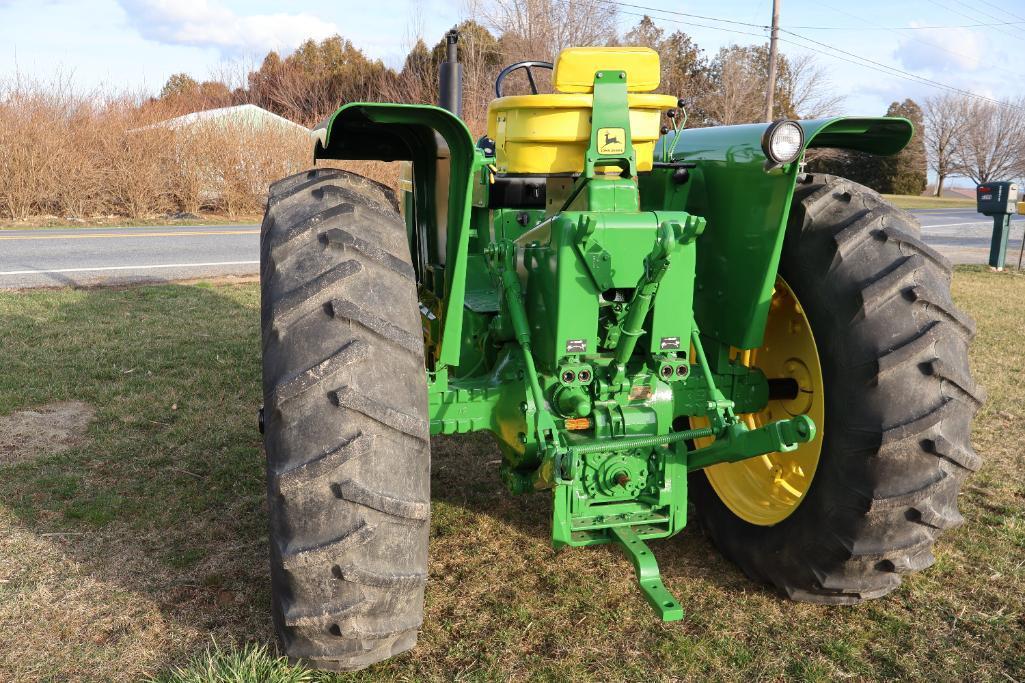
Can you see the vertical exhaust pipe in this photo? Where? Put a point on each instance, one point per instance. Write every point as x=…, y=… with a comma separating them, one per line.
x=451, y=77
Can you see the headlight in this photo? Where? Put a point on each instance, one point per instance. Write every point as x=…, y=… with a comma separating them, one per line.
x=783, y=141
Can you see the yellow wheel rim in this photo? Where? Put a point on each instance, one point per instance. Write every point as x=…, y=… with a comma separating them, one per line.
x=767, y=489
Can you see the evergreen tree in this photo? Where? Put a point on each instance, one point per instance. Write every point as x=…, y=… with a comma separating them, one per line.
x=905, y=173
x=179, y=85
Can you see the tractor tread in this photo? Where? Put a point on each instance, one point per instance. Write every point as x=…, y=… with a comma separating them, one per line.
x=325, y=553
x=298, y=476
x=964, y=324
x=346, y=432
x=287, y=187
x=352, y=630
x=909, y=244
x=959, y=454
x=326, y=616
x=352, y=399
x=352, y=352
x=347, y=310
x=896, y=446
x=301, y=229
x=354, y=574
x=339, y=238
x=888, y=287
x=306, y=298
x=356, y=493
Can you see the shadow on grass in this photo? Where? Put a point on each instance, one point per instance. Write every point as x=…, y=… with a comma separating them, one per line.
x=164, y=506
x=464, y=474
x=161, y=512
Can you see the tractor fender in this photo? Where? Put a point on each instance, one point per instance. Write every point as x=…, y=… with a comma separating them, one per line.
x=444, y=160
x=747, y=206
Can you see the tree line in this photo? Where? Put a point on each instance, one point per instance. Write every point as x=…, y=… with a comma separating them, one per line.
x=956, y=136
x=975, y=138
x=721, y=88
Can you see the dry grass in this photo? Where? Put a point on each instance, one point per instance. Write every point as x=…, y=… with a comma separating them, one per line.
x=71, y=156
x=161, y=546
x=201, y=218
x=905, y=201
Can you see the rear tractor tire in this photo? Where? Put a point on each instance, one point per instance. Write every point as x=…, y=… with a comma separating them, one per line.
x=345, y=413
x=897, y=400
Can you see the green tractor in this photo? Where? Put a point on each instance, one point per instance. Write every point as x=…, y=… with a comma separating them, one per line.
x=649, y=320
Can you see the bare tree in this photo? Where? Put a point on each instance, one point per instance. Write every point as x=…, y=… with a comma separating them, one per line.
x=735, y=93
x=809, y=89
x=945, y=118
x=539, y=29
x=992, y=140
x=737, y=77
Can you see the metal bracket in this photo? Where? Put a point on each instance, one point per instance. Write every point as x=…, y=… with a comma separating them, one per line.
x=648, y=576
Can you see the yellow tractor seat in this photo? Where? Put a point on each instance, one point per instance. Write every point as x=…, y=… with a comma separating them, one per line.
x=544, y=134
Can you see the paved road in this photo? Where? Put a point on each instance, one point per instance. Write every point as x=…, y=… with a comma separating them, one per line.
x=963, y=235
x=90, y=256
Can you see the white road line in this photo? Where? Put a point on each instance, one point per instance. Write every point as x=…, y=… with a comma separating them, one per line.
x=951, y=225
x=108, y=268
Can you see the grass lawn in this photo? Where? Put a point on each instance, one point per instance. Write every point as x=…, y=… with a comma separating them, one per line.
x=140, y=551
x=906, y=201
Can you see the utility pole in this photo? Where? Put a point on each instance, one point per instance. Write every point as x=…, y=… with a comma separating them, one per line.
x=771, y=90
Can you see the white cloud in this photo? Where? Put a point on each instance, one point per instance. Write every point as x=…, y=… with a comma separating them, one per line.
x=941, y=50
x=208, y=23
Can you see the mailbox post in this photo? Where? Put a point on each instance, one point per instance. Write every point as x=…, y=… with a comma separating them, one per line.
x=997, y=199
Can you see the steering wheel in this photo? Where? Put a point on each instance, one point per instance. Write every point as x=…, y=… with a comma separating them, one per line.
x=521, y=65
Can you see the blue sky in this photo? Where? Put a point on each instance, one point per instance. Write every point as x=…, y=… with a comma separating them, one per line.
x=136, y=44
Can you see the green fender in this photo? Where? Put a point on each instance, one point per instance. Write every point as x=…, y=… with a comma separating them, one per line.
x=409, y=132
x=747, y=207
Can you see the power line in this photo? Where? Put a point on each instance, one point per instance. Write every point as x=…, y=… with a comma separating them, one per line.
x=905, y=28
x=850, y=57
x=910, y=37
x=812, y=28
x=987, y=14
x=694, y=23
x=682, y=14
x=898, y=72
x=963, y=14
x=1001, y=9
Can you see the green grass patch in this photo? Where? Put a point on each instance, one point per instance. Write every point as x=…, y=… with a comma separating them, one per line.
x=253, y=663
x=127, y=554
x=906, y=201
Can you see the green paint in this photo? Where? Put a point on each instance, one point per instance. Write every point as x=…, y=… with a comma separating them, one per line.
x=566, y=331
x=747, y=209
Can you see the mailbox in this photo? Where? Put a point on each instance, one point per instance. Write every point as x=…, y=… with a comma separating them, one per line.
x=996, y=198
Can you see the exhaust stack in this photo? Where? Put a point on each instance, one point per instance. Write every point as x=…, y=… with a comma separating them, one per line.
x=451, y=77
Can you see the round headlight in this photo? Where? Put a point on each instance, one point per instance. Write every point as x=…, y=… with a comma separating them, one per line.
x=783, y=141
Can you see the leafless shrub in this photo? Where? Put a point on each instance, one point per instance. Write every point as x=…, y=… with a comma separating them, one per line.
x=31, y=121
x=70, y=155
x=946, y=119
